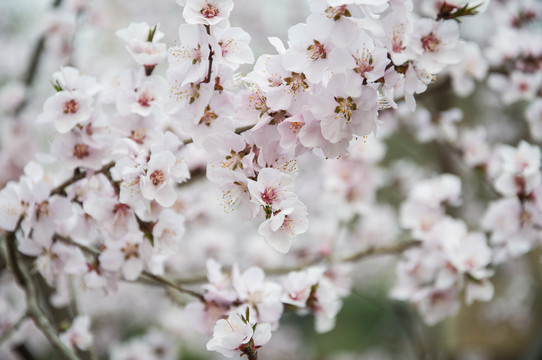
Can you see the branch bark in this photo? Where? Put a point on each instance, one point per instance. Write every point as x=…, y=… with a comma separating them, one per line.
x=24, y=279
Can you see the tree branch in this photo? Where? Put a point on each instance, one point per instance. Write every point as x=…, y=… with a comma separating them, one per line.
x=25, y=280
x=145, y=274
x=13, y=328
x=395, y=249
x=383, y=250
x=211, y=53
x=78, y=175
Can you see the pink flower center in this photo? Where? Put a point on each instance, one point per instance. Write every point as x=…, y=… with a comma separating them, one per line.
x=210, y=11
x=158, y=177
x=297, y=295
x=80, y=151
x=120, y=208
x=130, y=250
x=316, y=51
x=397, y=39
x=364, y=64
x=145, y=100
x=71, y=107
x=430, y=42
x=269, y=195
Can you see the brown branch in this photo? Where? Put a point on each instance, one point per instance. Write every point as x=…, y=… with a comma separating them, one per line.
x=398, y=248
x=25, y=281
x=78, y=175
x=210, y=59
x=82, y=173
x=13, y=328
x=395, y=249
x=238, y=131
x=144, y=275
x=171, y=284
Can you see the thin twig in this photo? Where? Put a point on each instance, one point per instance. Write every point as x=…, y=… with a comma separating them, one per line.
x=382, y=250
x=78, y=175
x=74, y=303
x=144, y=275
x=210, y=59
x=13, y=328
x=238, y=131
x=395, y=249
x=171, y=284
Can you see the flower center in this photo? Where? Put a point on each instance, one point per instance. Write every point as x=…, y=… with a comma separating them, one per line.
x=257, y=101
x=345, y=107
x=130, y=250
x=234, y=160
x=296, y=82
x=316, y=51
x=337, y=12
x=120, y=208
x=157, y=177
x=42, y=209
x=295, y=126
x=80, y=151
x=145, y=100
x=269, y=195
x=208, y=117
x=430, y=42
x=138, y=135
x=287, y=224
x=364, y=63
x=397, y=37
x=71, y=107
x=209, y=11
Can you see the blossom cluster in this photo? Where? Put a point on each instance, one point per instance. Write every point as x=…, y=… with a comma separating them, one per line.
x=297, y=151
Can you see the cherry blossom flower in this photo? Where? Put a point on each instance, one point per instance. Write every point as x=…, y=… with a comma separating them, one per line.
x=188, y=60
x=157, y=184
x=272, y=188
x=124, y=255
x=232, y=335
x=343, y=114
x=67, y=109
x=252, y=288
x=297, y=285
x=78, y=335
x=438, y=45
x=519, y=169
x=142, y=43
x=533, y=114
x=140, y=94
x=280, y=229
x=398, y=29
x=310, y=53
x=207, y=12
x=234, y=43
